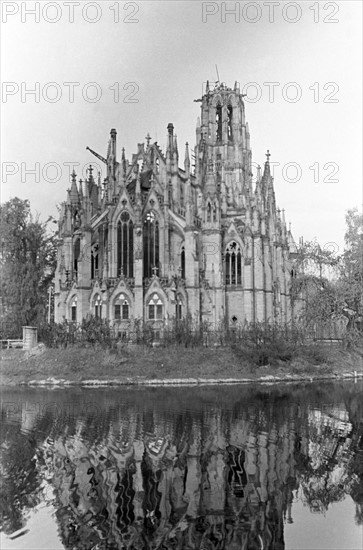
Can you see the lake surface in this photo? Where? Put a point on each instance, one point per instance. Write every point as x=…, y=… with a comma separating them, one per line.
x=235, y=467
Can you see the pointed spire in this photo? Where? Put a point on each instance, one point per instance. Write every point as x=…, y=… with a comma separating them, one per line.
x=80, y=192
x=266, y=172
x=175, y=146
x=198, y=123
x=86, y=189
x=113, y=135
x=207, y=87
x=74, y=198
x=90, y=174
x=187, y=160
x=258, y=177
x=169, y=141
x=123, y=164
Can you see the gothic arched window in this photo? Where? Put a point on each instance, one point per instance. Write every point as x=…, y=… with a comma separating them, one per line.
x=229, y=126
x=209, y=212
x=121, y=308
x=151, y=245
x=97, y=304
x=233, y=261
x=178, y=307
x=74, y=309
x=182, y=262
x=76, y=255
x=125, y=245
x=94, y=261
x=219, y=122
x=155, y=308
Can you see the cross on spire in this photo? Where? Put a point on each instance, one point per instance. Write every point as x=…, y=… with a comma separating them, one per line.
x=148, y=138
x=154, y=270
x=268, y=154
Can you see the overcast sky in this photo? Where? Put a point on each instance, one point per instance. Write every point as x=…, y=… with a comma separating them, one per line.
x=160, y=53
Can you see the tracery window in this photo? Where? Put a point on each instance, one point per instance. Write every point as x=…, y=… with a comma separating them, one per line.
x=74, y=309
x=151, y=245
x=97, y=304
x=76, y=255
x=229, y=125
x=121, y=308
x=155, y=308
x=182, y=263
x=94, y=261
x=219, y=122
x=233, y=264
x=125, y=245
x=178, y=306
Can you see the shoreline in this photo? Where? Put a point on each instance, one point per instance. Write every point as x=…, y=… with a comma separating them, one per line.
x=269, y=379
x=174, y=366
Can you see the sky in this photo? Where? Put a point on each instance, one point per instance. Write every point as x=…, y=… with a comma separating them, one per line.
x=136, y=66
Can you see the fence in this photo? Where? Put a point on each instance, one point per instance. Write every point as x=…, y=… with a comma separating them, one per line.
x=29, y=340
x=181, y=332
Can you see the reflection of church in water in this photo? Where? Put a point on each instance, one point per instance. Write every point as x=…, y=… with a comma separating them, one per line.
x=156, y=241
x=195, y=484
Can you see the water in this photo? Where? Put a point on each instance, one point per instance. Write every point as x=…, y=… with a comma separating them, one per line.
x=235, y=467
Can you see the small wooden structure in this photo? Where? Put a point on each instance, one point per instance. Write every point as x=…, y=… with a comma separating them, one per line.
x=30, y=337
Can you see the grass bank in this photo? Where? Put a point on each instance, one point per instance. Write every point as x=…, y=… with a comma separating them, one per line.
x=140, y=364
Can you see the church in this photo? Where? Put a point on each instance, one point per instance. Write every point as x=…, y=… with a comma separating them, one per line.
x=156, y=241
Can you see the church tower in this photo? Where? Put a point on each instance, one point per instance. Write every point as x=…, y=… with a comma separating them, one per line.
x=223, y=170
x=223, y=145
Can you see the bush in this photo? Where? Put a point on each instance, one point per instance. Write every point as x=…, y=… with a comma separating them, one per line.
x=268, y=344
x=92, y=330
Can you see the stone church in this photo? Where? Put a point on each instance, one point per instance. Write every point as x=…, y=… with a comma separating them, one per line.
x=156, y=241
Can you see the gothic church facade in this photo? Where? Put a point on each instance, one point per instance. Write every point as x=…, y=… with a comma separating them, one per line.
x=155, y=241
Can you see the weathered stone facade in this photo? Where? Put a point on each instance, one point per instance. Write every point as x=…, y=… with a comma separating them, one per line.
x=155, y=241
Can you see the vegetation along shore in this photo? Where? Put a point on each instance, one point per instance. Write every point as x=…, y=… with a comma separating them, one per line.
x=253, y=355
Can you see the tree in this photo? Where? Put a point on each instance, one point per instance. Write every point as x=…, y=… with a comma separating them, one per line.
x=315, y=283
x=328, y=284
x=351, y=269
x=27, y=262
